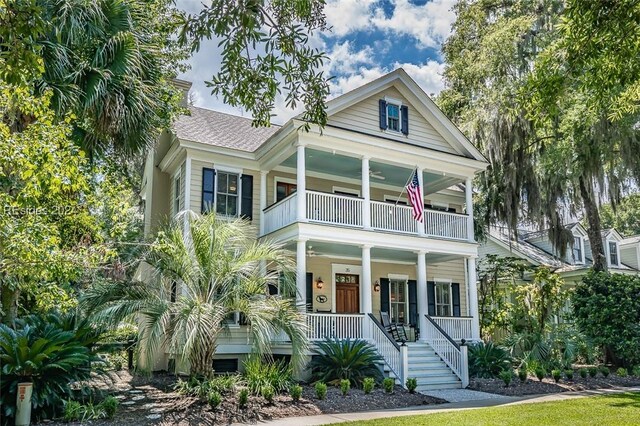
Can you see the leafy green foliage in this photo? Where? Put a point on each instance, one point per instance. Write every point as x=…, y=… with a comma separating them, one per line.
x=388, y=384
x=296, y=392
x=487, y=360
x=214, y=399
x=321, y=390
x=583, y=373
x=623, y=216
x=265, y=52
x=243, y=397
x=622, y=372
x=345, y=385
x=350, y=359
x=636, y=371
x=607, y=309
x=557, y=375
x=412, y=384
x=522, y=374
x=604, y=370
x=219, y=271
x=76, y=411
x=506, y=376
x=568, y=374
x=368, y=384
x=540, y=373
x=200, y=387
x=51, y=352
x=263, y=376
x=593, y=371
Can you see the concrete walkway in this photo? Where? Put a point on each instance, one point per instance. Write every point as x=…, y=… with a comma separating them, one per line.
x=472, y=400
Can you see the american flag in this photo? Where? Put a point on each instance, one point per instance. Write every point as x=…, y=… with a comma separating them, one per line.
x=415, y=197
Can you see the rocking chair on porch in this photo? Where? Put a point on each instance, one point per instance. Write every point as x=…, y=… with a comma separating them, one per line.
x=396, y=331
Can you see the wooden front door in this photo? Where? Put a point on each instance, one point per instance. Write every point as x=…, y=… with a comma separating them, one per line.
x=347, y=294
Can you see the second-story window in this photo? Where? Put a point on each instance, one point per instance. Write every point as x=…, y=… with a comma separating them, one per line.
x=176, y=195
x=393, y=117
x=613, y=253
x=208, y=187
x=284, y=189
x=577, y=250
x=227, y=194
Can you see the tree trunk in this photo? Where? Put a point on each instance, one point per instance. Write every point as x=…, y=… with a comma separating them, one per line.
x=594, y=230
x=9, y=298
x=201, y=361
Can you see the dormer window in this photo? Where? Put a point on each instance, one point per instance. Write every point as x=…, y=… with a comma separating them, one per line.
x=578, y=252
x=393, y=117
x=613, y=253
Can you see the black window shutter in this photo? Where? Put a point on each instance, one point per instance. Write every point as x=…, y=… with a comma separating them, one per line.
x=404, y=112
x=382, y=106
x=309, y=291
x=431, y=297
x=208, y=189
x=413, y=302
x=384, y=295
x=455, y=298
x=246, y=206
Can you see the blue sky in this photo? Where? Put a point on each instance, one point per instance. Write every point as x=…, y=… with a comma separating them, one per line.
x=368, y=39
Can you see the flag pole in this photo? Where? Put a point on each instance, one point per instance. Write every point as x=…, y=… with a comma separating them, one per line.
x=405, y=185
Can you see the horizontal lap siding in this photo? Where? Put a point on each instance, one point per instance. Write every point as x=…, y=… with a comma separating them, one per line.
x=455, y=271
x=363, y=117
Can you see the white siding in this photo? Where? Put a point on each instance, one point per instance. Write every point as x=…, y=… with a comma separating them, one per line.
x=629, y=255
x=363, y=117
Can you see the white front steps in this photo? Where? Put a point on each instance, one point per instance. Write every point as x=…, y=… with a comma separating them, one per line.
x=432, y=373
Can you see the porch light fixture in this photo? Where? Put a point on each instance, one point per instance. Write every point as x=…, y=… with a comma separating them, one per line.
x=376, y=286
x=319, y=283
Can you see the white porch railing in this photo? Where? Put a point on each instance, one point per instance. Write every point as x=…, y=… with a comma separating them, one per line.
x=391, y=217
x=457, y=328
x=334, y=209
x=280, y=214
x=394, y=355
x=446, y=225
x=334, y=326
x=454, y=355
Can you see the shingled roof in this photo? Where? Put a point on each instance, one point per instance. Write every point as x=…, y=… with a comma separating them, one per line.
x=221, y=129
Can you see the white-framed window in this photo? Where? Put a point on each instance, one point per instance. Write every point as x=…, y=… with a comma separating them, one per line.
x=440, y=206
x=398, y=300
x=177, y=186
x=444, y=303
x=578, y=250
x=613, y=253
x=227, y=193
x=393, y=116
x=339, y=190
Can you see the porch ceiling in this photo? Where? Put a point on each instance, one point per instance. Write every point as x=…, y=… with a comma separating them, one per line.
x=349, y=167
x=324, y=249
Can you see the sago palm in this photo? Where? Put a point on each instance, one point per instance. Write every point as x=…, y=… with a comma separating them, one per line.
x=219, y=268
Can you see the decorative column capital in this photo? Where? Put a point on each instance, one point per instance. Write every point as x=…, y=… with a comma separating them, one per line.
x=366, y=246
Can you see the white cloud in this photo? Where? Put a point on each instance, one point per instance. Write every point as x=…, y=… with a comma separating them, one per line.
x=429, y=24
x=344, y=60
x=345, y=16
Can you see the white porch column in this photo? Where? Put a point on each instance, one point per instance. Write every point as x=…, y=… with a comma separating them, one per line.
x=263, y=199
x=468, y=192
x=473, y=298
x=366, y=194
x=421, y=226
x=423, y=307
x=366, y=305
x=301, y=274
x=301, y=189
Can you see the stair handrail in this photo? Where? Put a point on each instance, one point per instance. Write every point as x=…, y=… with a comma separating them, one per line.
x=397, y=359
x=454, y=355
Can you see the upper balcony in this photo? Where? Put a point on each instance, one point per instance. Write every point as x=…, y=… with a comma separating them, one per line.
x=349, y=211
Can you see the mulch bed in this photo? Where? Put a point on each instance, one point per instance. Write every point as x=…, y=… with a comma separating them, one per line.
x=534, y=387
x=152, y=401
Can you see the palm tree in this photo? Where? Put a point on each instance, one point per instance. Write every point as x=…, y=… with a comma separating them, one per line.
x=219, y=269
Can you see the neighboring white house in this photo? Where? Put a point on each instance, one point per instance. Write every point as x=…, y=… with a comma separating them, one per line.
x=335, y=197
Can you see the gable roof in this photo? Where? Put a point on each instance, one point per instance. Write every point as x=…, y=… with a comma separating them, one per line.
x=634, y=239
x=221, y=129
x=420, y=101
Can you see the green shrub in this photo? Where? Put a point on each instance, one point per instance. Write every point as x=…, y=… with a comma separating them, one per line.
x=506, y=376
x=568, y=374
x=368, y=384
x=622, y=372
x=522, y=374
x=353, y=360
x=557, y=375
x=214, y=399
x=345, y=385
x=260, y=375
x=243, y=397
x=296, y=392
x=110, y=406
x=73, y=411
x=388, y=384
x=321, y=390
x=583, y=373
x=268, y=392
x=487, y=360
x=201, y=388
x=636, y=371
x=412, y=384
x=50, y=351
x=593, y=371
x=540, y=373
x=604, y=370
x=76, y=411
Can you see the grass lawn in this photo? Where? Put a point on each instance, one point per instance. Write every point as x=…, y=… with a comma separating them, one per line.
x=618, y=409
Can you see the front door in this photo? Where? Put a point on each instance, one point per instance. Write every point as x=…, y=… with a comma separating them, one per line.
x=347, y=293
